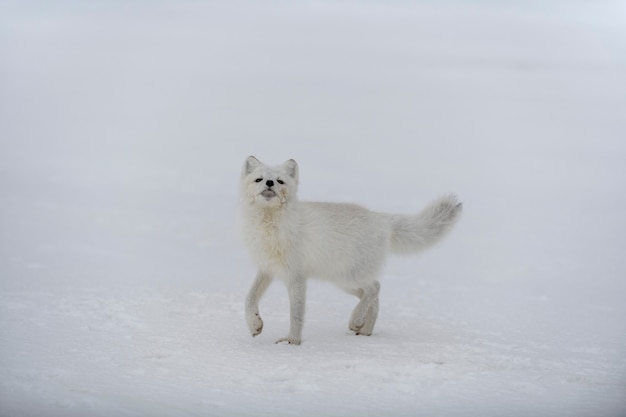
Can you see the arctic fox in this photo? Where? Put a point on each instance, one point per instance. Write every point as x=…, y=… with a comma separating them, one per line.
x=342, y=243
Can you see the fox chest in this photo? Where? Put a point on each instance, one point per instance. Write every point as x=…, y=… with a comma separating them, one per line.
x=272, y=247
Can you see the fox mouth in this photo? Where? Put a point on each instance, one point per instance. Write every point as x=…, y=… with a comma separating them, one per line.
x=268, y=193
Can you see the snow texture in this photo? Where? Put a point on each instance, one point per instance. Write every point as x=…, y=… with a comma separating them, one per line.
x=123, y=128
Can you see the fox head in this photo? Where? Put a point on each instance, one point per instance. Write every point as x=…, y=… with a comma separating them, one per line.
x=269, y=186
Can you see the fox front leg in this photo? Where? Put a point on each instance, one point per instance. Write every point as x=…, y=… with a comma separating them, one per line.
x=296, y=288
x=260, y=284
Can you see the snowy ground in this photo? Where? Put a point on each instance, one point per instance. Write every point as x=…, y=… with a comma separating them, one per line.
x=123, y=127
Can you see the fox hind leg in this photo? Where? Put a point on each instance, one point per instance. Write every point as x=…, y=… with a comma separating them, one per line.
x=365, y=313
x=370, y=319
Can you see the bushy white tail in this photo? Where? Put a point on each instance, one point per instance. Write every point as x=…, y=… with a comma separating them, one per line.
x=414, y=233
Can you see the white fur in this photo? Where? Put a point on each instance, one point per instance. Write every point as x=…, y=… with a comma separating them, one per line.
x=342, y=243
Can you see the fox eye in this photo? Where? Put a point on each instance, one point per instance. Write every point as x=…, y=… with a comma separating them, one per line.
x=280, y=181
x=258, y=180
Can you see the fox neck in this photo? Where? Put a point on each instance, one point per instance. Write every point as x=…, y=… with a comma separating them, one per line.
x=269, y=215
x=275, y=215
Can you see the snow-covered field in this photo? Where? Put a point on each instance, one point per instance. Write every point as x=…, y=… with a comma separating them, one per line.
x=123, y=127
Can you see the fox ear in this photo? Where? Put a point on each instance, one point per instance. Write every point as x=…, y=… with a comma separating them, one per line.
x=251, y=164
x=291, y=168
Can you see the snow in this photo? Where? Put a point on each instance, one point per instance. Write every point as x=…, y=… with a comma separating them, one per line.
x=123, y=128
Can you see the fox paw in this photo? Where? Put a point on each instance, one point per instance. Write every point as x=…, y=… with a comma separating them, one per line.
x=361, y=330
x=289, y=340
x=255, y=324
x=356, y=327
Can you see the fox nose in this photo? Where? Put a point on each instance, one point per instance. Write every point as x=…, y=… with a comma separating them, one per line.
x=269, y=183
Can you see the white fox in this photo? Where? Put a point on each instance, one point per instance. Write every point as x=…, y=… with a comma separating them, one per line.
x=342, y=243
